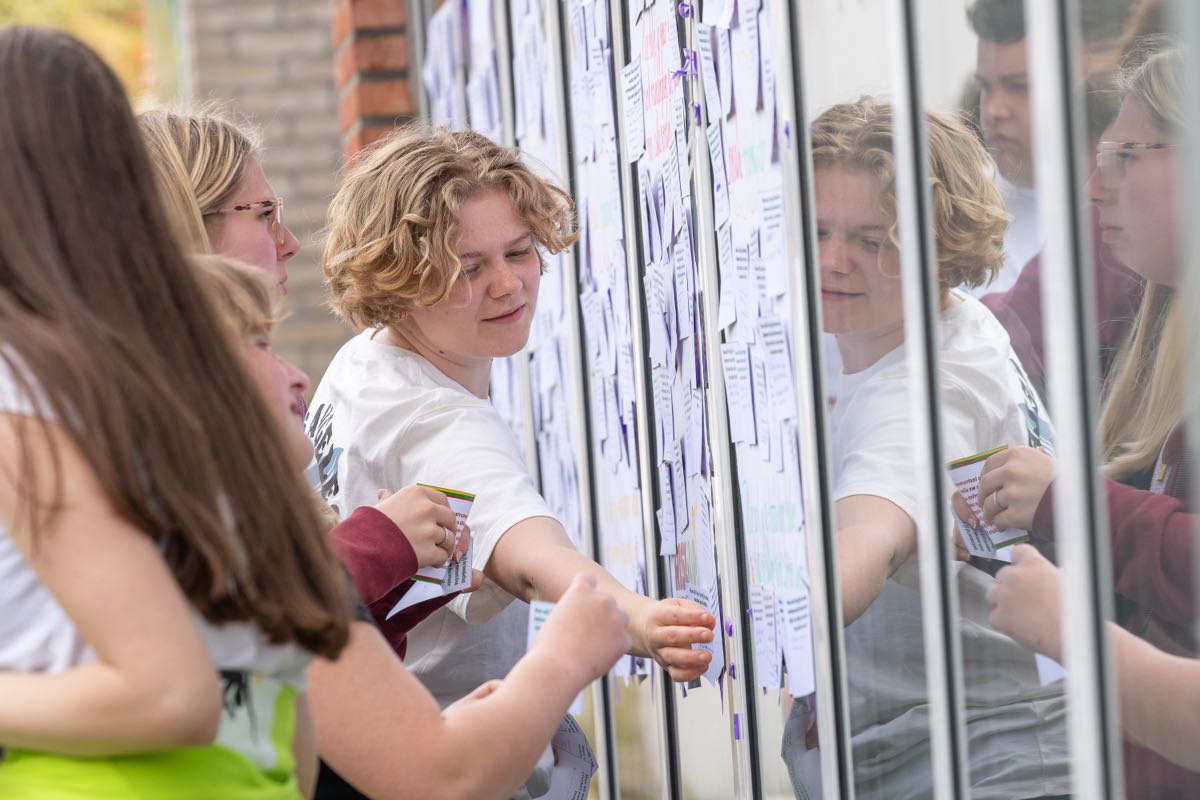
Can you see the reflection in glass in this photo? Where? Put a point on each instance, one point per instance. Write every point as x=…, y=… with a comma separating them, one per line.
x=986, y=403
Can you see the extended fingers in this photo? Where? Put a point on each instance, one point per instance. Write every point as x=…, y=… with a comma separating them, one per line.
x=684, y=664
x=674, y=611
x=680, y=636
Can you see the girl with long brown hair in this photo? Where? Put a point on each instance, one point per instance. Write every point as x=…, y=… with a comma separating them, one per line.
x=151, y=528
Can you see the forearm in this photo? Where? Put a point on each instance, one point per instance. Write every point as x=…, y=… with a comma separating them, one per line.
x=532, y=699
x=1160, y=697
x=382, y=731
x=535, y=560
x=549, y=577
x=94, y=710
x=863, y=570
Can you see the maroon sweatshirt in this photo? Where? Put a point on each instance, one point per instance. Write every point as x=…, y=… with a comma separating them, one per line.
x=1152, y=538
x=381, y=562
x=1118, y=293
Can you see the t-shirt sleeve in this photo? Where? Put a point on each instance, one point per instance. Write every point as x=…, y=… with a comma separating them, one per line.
x=468, y=447
x=18, y=394
x=878, y=449
x=876, y=445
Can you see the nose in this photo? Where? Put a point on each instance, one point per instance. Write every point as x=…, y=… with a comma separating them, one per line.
x=993, y=106
x=1097, y=190
x=831, y=254
x=297, y=378
x=290, y=246
x=506, y=281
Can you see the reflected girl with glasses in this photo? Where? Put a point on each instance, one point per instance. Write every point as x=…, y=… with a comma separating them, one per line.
x=1137, y=190
x=1014, y=726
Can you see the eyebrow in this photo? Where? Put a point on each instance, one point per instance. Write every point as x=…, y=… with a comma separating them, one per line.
x=513, y=243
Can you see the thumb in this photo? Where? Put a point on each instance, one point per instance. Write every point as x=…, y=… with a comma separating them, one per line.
x=1024, y=552
x=384, y=494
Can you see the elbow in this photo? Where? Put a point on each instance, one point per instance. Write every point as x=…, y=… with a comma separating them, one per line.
x=188, y=716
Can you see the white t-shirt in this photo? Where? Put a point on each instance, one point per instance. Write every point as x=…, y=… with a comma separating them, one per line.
x=384, y=418
x=1022, y=240
x=37, y=636
x=1016, y=732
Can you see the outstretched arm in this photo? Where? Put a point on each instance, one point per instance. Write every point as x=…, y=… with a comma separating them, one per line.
x=152, y=684
x=534, y=560
x=874, y=538
x=382, y=731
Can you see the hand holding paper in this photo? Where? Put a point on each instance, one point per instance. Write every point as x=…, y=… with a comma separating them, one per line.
x=1020, y=476
x=979, y=539
x=424, y=516
x=443, y=576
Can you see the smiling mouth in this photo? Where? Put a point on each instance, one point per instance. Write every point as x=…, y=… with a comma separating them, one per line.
x=511, y=316
x=833, y=294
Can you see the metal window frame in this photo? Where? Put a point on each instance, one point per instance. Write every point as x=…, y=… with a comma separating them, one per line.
x=1053, y=33
x=918, y=257
x=833, y=713
x=655, y=579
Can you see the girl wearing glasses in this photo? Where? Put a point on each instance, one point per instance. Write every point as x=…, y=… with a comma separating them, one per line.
x=1137, y=191
x=154, y=541
x=232, y=209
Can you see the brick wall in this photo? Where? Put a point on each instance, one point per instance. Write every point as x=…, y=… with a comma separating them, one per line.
x=319, y=77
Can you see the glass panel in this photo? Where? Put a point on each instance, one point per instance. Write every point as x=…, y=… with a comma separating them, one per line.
x=607, y=323
x=985, y=224
x=676, y=351
x=880, y=472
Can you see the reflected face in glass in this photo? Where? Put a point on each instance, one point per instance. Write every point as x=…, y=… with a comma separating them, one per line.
x=1002, y=74
x=861, y=295
x=490, y=309
x=249, y=235
x=1137, y=199
x=281, y=386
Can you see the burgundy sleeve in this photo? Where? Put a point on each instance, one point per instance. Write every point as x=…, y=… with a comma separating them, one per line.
x=382, y=562
x=1019, y=310
x=1152, y=545
x=375, y=551
x=1152, y=542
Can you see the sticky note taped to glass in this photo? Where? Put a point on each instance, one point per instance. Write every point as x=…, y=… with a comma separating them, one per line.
x=983, y=540
x=453, y=576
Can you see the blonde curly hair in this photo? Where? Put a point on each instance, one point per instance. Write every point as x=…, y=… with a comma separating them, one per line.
x=394, y=223
x=969, y=215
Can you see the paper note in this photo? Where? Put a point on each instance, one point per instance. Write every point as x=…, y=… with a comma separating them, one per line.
x=982, y=539
x=708, y=70
x=635, y=125
x=739, y=393
x=782, y=390
x=574, y=763
x=724, y=73
x=720, y=185
x=453, y=576
x=539, y=612
x=797, y=643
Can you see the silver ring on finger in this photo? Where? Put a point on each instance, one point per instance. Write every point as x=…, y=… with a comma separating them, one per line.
x=1000, y=505
x=445, y=536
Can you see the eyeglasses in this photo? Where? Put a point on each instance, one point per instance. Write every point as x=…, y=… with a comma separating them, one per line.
x=1110, y=160
x=273, y=207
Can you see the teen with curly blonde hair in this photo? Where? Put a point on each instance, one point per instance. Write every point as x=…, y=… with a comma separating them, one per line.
x=986, y=402
x=434, y=250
